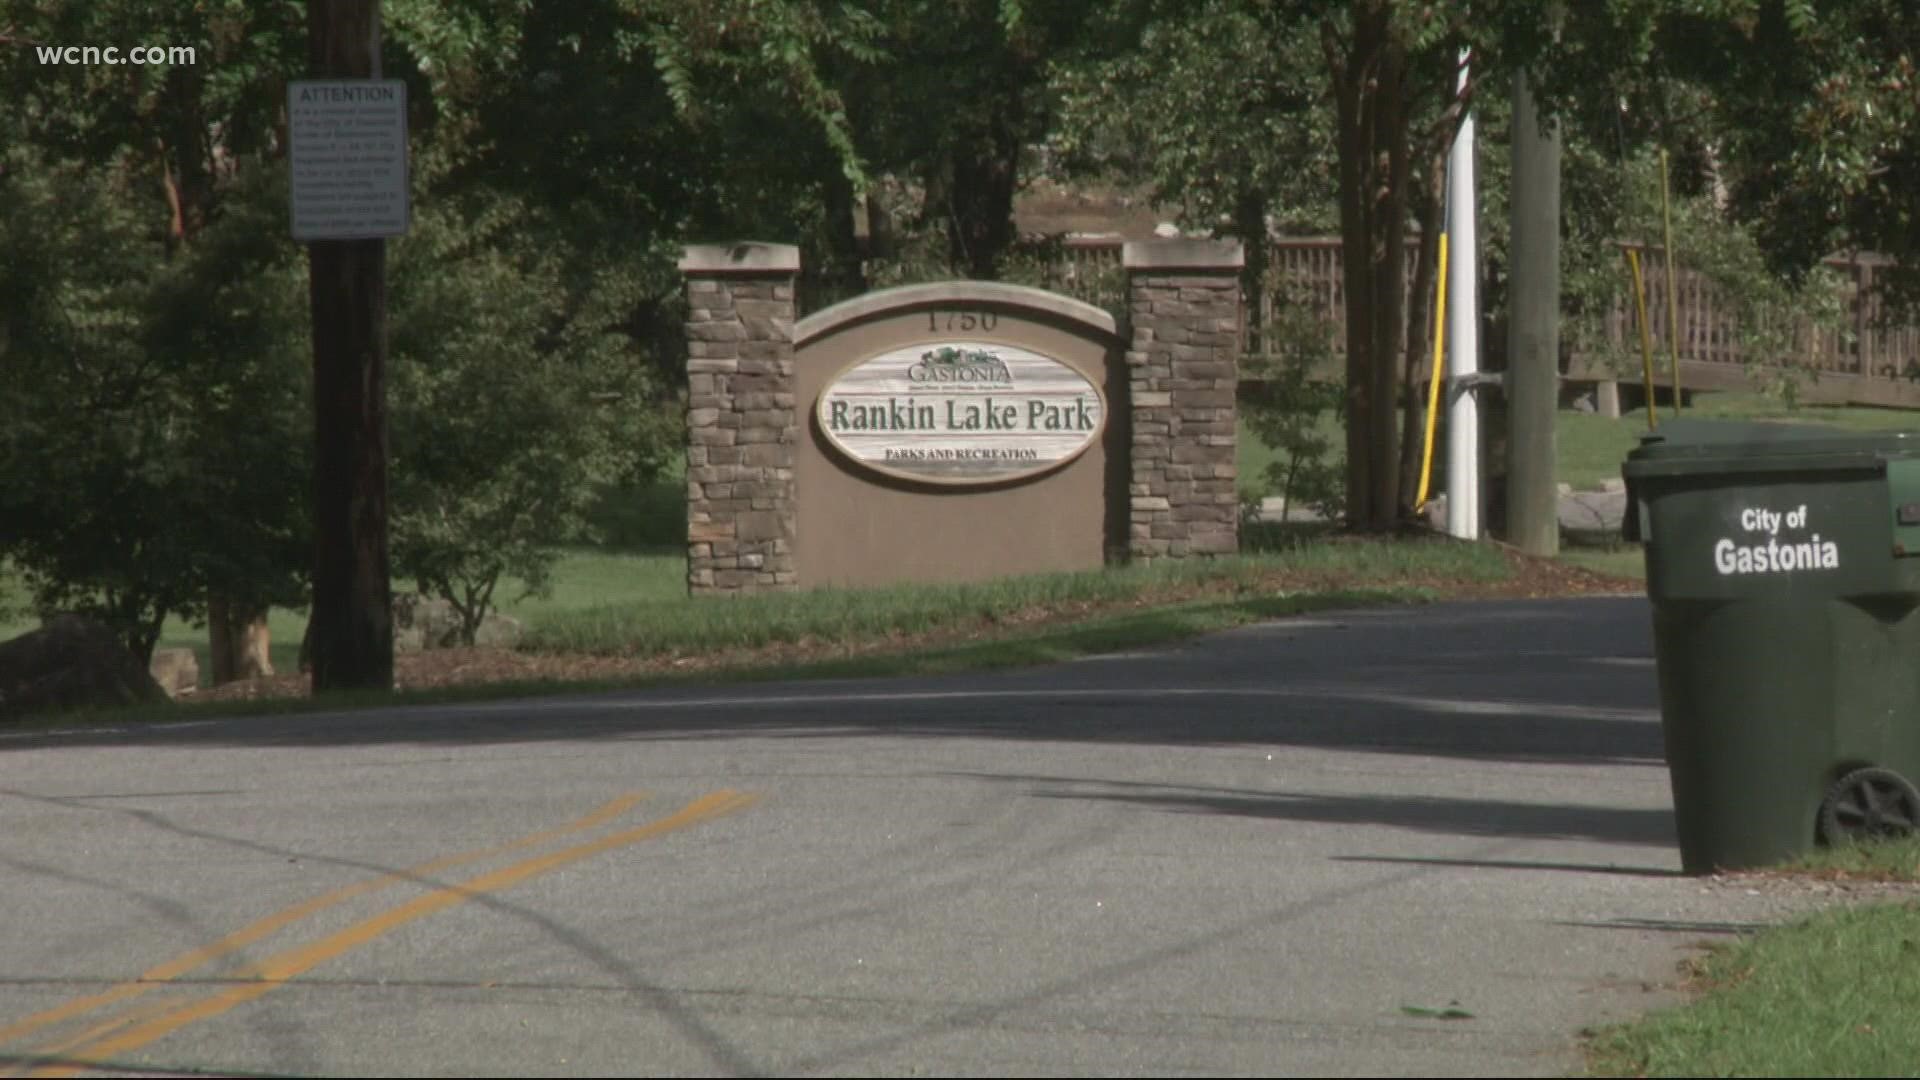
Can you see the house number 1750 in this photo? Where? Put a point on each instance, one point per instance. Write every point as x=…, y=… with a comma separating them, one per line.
x=961, y=320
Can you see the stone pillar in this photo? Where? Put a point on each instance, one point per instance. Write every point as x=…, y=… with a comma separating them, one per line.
x=740, y=417
x=1183, y=372
x=1606, y=398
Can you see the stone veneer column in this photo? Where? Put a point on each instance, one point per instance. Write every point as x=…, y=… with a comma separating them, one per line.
x=740, y=417
x=1183, y=372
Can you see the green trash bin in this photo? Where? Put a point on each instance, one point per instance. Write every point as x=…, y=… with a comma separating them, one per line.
x=1783, y=563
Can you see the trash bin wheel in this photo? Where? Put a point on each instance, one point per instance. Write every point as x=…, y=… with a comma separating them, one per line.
x=1868, y=804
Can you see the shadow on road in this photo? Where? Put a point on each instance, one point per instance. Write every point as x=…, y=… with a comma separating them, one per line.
x=1518, y=864
x=1452, y=816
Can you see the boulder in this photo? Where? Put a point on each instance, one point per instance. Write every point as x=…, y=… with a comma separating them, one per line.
x=70, y=662
x=497, y=632
x=176, y=670
x=423, y=622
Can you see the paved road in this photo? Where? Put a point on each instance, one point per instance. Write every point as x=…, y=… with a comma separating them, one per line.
x=1252, y=854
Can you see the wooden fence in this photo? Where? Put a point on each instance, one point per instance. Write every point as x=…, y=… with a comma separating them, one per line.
x=1866, y=361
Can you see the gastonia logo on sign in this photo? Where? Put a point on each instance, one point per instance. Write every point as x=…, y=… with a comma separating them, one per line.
x=967, y=367
x=961, y=412
x=1797, y=550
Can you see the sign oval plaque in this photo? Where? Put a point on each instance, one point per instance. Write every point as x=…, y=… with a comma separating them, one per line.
x=961, y=412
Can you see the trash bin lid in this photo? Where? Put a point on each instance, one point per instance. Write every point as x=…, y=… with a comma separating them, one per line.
x=1700, y=446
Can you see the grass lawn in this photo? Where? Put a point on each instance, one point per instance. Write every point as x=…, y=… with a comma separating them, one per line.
x=584, y=578
x=642, y=625
x=1623, y=560
x=1831, y=995
x=1592, y=447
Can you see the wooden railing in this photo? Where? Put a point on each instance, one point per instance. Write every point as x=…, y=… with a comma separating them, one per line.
x=1710, y=332
x=1865, y=361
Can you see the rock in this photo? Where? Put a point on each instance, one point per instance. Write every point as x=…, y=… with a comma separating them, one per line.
x=176, y=670
x=497, y=632
x=70, y=662
x=425, y=622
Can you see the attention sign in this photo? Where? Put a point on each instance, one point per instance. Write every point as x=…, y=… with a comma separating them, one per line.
x=961, y=412
x=347, y=148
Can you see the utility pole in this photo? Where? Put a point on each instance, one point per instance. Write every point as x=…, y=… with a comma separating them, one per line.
x=352, y=619
x=1533, y=342
x=1463, y=334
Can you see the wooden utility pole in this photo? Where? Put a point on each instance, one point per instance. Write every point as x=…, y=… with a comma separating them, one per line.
x=1533, y=342
x=352, y=620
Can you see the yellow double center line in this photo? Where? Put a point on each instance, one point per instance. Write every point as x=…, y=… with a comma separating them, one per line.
x=139, y=1027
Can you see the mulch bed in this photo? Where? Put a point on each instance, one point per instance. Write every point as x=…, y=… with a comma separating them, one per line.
x=1531, y=578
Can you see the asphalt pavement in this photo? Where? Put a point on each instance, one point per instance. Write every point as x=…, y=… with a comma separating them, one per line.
x=1406, y=841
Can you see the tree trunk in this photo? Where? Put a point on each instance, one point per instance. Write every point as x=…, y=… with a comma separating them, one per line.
x=1369, y=77
x=352, y=615
x=1426, y=213
x=980, y=200
x=238, y=641
x=1533, y=335
x=844, y=275
x=879, y=225
x=1250, y=223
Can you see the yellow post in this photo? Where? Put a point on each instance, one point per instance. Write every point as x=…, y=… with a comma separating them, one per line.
x=1433, y=391
x=1646, y=339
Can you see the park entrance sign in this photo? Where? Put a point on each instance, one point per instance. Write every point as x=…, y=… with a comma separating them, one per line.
x=955, y=431
x=961, y=412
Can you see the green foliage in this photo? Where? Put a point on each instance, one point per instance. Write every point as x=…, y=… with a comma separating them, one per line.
x=947, y=109
x=1617, y=201
x=1831, y=995
x=156, y=428
x=865, y=617
x=152, y=433
x=1884, y=859
x=1043, y=263
x=1816, y=118
x=1210, y=111
x=514, y=400
x=1289, y=413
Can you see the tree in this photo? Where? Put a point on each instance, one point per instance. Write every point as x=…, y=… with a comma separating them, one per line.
x=951, y=98
x=154, y=426
x=513, y=401
x=1257, y=110
x=196, y=128
x=153, y=299
x=1815, y=120
x=1222, y=123
x=1382, y=88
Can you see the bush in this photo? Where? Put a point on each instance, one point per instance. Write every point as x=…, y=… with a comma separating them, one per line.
x=515, y=399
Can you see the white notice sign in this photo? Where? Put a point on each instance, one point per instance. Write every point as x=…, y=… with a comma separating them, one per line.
x=347, y=145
